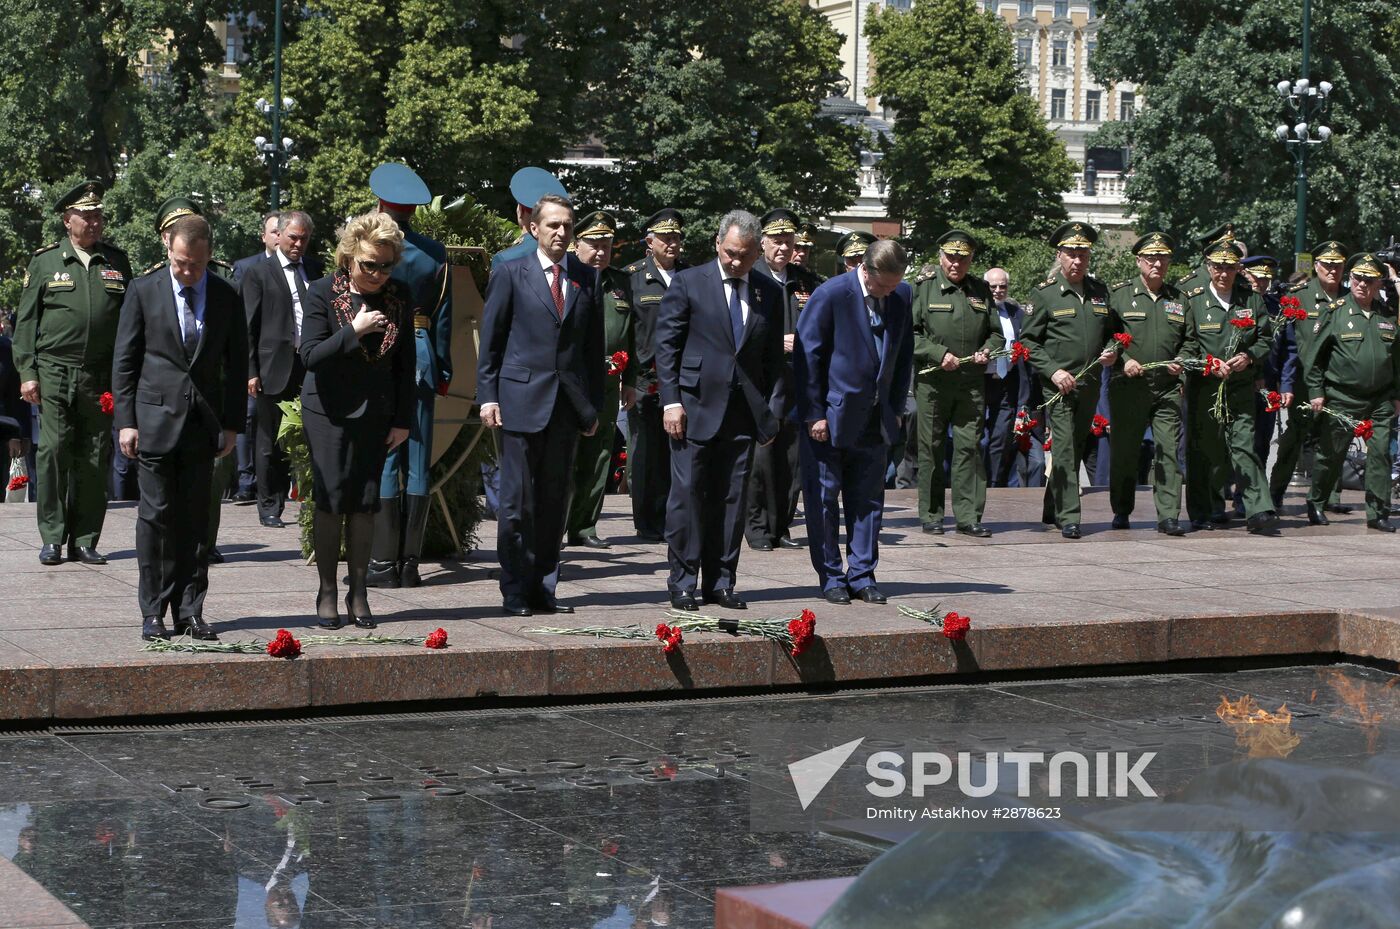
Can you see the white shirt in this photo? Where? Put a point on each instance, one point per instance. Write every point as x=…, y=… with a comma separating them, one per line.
x=1008, y=330
x=548, y=264
x=728, y=295
x=780, y=276
x=1223, y=301
x=665, y=275
x=290, y=274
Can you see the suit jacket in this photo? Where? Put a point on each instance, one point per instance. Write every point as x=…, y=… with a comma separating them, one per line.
x=15, y=417
x=697, y=362
x=529, y=357
x=341, y=382
x=267, y=302
x=840, y=375
x=242, y=265
x=156, y=388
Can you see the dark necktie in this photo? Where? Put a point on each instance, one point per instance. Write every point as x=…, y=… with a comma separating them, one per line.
x=188, y=326
x=556, y=289
x=877, y=324
x=736, y=311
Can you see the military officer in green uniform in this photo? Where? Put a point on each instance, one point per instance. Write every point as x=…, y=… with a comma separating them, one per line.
x=1355, y=370
x=649, y=457
x=1152, y=311
x=1067, y=328
x=955, y=318
x=850, y=248
x=1221, y=326
x=802, y=246
x=65, y=337
x=594, y=245
x=1316, y=296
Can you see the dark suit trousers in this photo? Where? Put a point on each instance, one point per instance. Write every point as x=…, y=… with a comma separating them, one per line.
x=1003, y=395
x=853, y=477
x=535, y=477
x=273, y=471
x=172, y=527
x=773, y=485
x=245, y=448
x=649, y=466
x=705, y=510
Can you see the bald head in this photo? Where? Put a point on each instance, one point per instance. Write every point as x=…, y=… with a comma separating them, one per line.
x=999, y=281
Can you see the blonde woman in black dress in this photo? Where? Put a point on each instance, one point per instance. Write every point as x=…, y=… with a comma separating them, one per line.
x=357, y=400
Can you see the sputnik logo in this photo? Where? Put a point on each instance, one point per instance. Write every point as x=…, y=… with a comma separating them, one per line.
x=810, y=775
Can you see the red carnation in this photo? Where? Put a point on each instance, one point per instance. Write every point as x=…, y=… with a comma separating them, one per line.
x=1364, y=429
x=1124, y=339
x=18, y=481
x=1019, y=353
x=955, y=626
x=1023, y=443
x=1242, y=324
x=106, y=402
x=670, y=637
x=436, y=639
x=1046, y=445
x=1213, y=364
x=1293, y=308
x=621, y=457
x=803, y=630
x=1273, y=402
x=617, y=363
x=284, y=646
x=1100, y=425
x=294, y=493
x=654, y=388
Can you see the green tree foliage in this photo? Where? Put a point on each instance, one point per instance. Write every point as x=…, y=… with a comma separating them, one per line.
x=712, y=106
x=1203, y=149
x=970, y=148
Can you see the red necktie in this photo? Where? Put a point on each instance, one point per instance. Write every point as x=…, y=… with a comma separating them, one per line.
x=556, y=288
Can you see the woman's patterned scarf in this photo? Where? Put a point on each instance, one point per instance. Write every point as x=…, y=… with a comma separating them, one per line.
x=344, y=308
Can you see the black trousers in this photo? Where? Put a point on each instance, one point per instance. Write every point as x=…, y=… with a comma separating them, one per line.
x=774, y=482
x=172, y=527
x=1002, y=395
x=648, y=466
x=535, y=478
x=273, y=472
x=706, y=509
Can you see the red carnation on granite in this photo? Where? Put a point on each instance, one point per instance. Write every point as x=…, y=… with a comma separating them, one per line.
x=1242, y=324
x=1124, y=339
x=670, y=636
x=17, y=482
x=436, y=639
x=284, y=646
x=803, y=631
x=617, y=363
x=106, y=402
x=955, y=626
x=1100, y=426
x=1364, y=429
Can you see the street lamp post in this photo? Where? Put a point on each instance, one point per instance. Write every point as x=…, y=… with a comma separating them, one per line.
x=1309, y=104
x=277, y=151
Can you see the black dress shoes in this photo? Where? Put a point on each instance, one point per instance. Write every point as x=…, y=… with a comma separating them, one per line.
x=685, y=601
x=272, y=522
x=871, y=594
x=762, y=545
x=85, y=554
x=725, y=597
x=1381, y=525
x=1121, y=522
x=1199, y=525
x=50, y=555
x=245, y=498
x=152, y=628
x=976, y=530
x=1071, y=531
x=788, y=542
x=839, y=595
x=1220, y=519
x=590, y=541
x=1261, y=523
x=651, y=537
x=549, y=605
x=216, y=556
x=1340, y=508
x=1316, y=517
x=196, y=628
x=933, y=528
x=1170, y=527
x=513, y=607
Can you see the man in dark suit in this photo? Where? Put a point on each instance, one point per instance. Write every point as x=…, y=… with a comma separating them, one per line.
x=540, y=381
x=274, y=293
x=177, y=380
x=853, y=361
x=269, y=241
x=719, y=360
x=1008, y=391
x=247, y=491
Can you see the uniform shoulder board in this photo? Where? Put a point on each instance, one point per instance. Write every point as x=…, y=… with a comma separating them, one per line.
x=1195, y=291
x=155, y=267
x=634, y=267
x=112, y=247
x=1047, y=282
x=1121, y=284
x=1301, y=285
x=1336, y=303
x=1184, y=278
x=47, y=248
x=926, y=272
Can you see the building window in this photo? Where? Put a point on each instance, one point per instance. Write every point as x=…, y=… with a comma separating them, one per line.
x=1057, y=104
x=989, y=5
x=1090, y=47
x=1062, y=9
x=899, y=4
x=1093, y=9
x=1023, y=52
x=231, y=50
x=1127, y=106
x=1027, y=7
x=1092, y=99
x=1059, y=53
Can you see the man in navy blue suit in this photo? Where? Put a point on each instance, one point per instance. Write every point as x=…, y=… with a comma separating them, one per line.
x=540, y=381
x=719, y=360
x=853, y=359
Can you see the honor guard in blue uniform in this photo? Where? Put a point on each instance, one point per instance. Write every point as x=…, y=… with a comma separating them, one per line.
x=423, y=269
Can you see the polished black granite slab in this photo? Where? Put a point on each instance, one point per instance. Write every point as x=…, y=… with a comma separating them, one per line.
x=611, y=816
